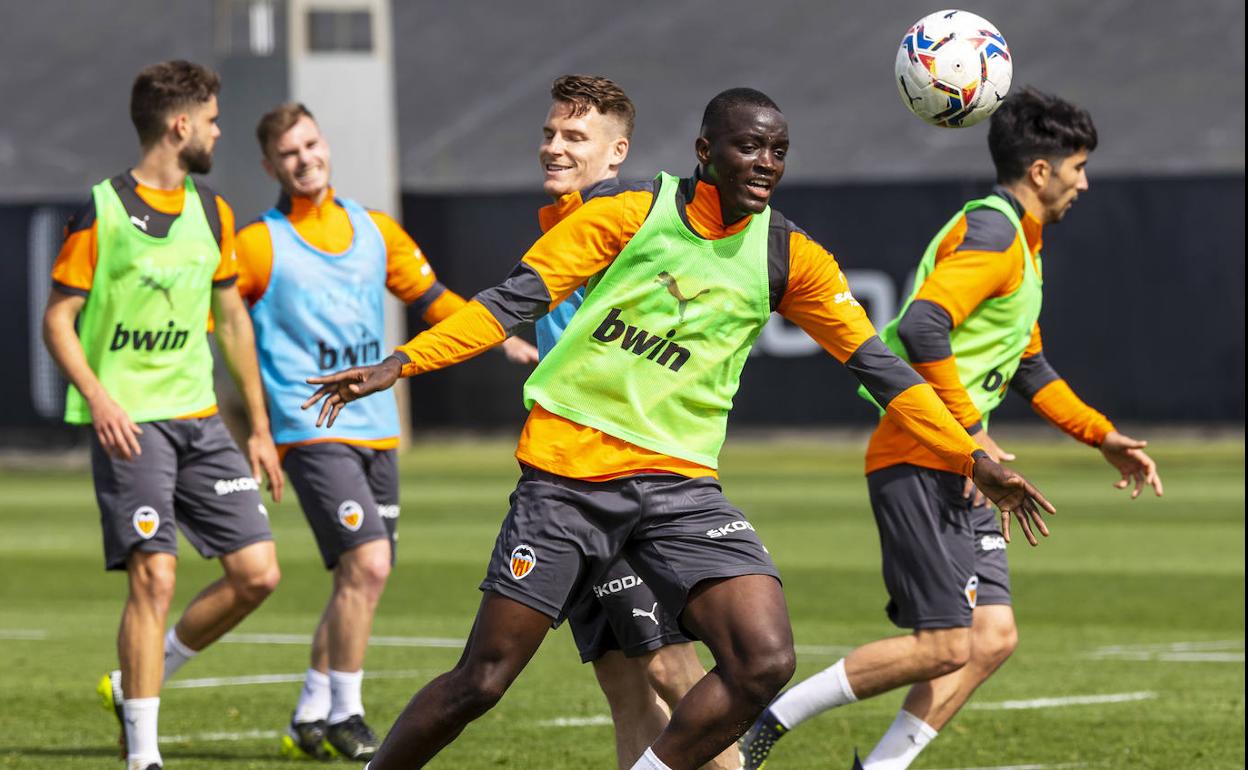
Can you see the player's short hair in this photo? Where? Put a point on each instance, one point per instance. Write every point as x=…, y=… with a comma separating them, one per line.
x=585, y=92
x=163, y=88
x=278, y=121
x=1031, y=125
x=724, y=102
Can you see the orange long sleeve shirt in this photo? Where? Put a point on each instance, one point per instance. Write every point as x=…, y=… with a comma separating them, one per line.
x=979, y=258
x=814, y=295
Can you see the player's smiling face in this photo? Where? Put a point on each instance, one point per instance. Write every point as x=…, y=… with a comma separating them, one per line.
x=299, y=160
x=1068, y=178
x=744, y=159
x=579, y=150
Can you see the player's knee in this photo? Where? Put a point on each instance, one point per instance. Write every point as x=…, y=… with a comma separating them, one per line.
x=481, y=686
x=254, y=586
x=997, y=643
x=946, y=650
x=374, y=571
x=671, y=674
x=152, y=582
x=765, y=670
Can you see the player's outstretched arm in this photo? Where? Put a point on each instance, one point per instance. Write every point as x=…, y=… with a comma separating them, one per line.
x=1013, y=495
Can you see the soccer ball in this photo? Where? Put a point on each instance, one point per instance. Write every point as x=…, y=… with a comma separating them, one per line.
x=953, y=68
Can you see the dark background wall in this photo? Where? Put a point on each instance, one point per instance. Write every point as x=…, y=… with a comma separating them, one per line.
x=1143, y=313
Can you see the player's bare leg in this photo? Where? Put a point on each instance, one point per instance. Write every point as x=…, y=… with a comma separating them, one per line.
x=140, y=640
x=341, y=637
x=887, y=664
x=673, y=671
x=504, y=638
x=251, y=574
x=637, y=711
x=993, y=638
x=745, y=623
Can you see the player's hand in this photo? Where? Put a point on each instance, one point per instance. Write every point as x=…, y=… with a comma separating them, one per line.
x=519, y=351
x=341, y=388
x=1012, y=494
x=263, y=456
x=1127, y=456
x=996, y=453
x=118, y=434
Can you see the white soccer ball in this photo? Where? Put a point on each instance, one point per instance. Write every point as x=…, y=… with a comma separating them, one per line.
x=953, y=68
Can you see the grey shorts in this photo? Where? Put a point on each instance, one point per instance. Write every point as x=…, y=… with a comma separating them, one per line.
x=620, y=612
x=942, y=556
x=349, y=494
x=561, y=535
x=189, y=474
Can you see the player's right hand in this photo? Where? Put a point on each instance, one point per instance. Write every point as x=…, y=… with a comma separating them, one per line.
x=118, y=434
x=341, y=388
x=1012, y=494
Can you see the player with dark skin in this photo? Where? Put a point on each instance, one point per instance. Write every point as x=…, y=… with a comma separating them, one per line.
x=743, y=620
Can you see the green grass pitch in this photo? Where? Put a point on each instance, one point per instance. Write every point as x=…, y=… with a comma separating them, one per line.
x=1141, y=601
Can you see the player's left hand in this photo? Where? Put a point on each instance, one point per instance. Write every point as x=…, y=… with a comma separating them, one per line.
x=998, y=455
x=341, y=388
x=1012, y=494
x=519, y=351
x=1127, y=456
x=263, y=456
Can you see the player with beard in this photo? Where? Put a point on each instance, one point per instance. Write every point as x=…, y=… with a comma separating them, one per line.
x=642, y=661
x=970, y=327
x=314, y=271
x=627, y=415
x=142, y=265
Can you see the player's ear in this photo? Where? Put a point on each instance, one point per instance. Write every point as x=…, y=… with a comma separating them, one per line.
x=619, y=151
x=267, y=165
x=702, y=148
x=180, y=126
x=1039, y=172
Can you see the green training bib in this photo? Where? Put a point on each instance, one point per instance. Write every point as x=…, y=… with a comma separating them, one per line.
x=654, y=355
x=989, y=344
x=144, y=325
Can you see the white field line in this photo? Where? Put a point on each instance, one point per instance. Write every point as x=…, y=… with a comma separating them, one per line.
x=594, y=721
x=245, y=735
x=373, y=641
x=1061, y=766
x=1009, y=705
x=23, y=634
x=232, y=681
x=1072, y=700
x=1222, y=651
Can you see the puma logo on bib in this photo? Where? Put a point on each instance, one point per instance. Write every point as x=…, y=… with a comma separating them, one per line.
x=351, y=515
x=146, y=521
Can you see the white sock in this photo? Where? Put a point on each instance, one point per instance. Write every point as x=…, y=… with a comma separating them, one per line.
x=345, y=695
x=141, y=716
x=176, y=654
x=825, y=690
x=905, y=738
x=314, y=698
x=649, y=761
